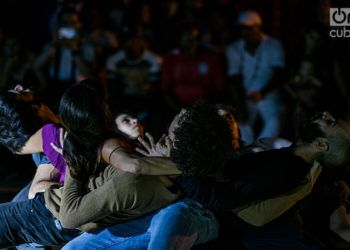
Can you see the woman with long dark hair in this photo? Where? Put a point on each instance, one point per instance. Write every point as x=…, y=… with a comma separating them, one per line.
x=95, y=193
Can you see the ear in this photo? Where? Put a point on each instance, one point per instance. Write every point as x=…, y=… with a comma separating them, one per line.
x=321, y=144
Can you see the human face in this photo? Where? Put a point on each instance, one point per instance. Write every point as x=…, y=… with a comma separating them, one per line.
x=251, y=34
x=175, y=124
x=73, y=21
x=337, y=132
x=129, y=125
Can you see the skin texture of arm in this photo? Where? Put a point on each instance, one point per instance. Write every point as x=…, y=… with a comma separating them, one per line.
x=260, y=213
x=114, y=154
x=112, y=195
x=45, y=176
x=33, y=145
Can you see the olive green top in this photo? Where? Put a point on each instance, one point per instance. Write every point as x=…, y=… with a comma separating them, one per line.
x=110, y=198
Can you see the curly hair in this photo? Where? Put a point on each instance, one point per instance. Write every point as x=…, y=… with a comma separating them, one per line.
x=202, y=141
x=18, y=122
x=306, y=130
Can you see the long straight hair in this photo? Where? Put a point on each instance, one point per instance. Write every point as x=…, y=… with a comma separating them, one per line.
x=85, y=116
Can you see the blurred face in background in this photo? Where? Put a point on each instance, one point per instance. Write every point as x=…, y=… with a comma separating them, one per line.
x=190, y=40
x=251, y=33
x=73, y=21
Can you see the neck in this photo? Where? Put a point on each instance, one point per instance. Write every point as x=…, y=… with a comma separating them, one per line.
x=305, y=152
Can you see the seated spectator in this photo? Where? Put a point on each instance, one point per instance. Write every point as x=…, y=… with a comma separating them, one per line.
x=255, y=71
x=133, y=78
x=66, y=59
x=191, y=72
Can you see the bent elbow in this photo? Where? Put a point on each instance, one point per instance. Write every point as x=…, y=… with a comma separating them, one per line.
x=137, y=168
x=67, y=222
x=259, y=223
x=256, y=222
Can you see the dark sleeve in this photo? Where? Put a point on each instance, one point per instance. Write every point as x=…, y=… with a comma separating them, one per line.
x=213, y=195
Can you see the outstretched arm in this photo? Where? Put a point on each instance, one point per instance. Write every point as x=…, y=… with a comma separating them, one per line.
x=33, y=145
x=260, y=213
x=114, y=154
x=45, y=176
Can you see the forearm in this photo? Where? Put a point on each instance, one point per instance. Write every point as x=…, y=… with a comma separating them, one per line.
x=114, y=154
x=157, y=166
x=78, y=206
x=260, y=213
x=39, y=187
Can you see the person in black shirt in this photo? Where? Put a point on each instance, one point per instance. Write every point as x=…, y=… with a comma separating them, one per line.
x=245, y=182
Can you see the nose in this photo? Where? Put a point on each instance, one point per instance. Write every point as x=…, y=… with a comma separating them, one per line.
x=327, y=116
x=134, y=121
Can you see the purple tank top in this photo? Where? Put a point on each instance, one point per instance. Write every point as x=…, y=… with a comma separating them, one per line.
x=51, y=133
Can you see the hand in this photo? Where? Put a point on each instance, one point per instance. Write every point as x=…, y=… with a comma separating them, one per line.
x=161, y=148
x=73, y=44
x=58, y=149
x=255, y=96
x=46, y=114
x=312, y=176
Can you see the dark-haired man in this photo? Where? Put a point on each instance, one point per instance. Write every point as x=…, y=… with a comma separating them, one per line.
x=272, y=175
x=212, y=186
x=259, y=187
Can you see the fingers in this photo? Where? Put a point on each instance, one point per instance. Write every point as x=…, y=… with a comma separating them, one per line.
x=168, y=142
x=315, y=172
x=141, y=151
x=62, y=136
x=57, y=149
x=151, y=140
x=161, y=140
x=144, y=143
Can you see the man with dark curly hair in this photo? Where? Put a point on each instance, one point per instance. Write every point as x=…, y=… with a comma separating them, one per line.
x=203, y=144
x=258, y=187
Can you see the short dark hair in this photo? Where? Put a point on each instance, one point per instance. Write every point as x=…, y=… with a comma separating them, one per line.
x=307, y=130
x=202, y=141
x=18, y=122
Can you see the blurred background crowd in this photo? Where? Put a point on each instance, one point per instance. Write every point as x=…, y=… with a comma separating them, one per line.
x=269, y=59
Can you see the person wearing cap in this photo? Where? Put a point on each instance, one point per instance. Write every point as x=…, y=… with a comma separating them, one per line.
x=255, y=69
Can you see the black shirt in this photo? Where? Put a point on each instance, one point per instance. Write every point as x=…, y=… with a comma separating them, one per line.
x=250, y=177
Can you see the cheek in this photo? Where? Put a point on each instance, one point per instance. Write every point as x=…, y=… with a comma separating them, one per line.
x=124, y=128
